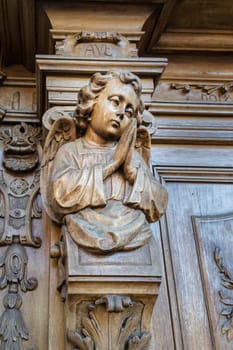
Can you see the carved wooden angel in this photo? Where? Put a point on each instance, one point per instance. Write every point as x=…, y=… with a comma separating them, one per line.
x=94, y=181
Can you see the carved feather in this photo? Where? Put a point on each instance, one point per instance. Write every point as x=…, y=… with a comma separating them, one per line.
x=62, y=131
x=143, y=143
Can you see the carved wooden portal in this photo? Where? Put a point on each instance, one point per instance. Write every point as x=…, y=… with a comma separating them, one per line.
x=192, y=153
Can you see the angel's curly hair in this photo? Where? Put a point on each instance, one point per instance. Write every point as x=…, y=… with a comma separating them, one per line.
x=88, y=95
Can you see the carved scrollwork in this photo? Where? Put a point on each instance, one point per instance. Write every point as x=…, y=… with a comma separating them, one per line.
x=225, y=298
x=111, y=319
x=214, y=93
x=13, y=264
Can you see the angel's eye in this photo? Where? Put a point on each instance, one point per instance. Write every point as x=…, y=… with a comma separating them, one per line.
x=115, y=101
x=129, y=112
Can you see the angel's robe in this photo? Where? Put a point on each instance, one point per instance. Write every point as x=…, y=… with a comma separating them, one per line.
x=104, y=215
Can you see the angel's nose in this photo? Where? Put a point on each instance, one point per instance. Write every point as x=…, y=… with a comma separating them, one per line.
x=120, y=115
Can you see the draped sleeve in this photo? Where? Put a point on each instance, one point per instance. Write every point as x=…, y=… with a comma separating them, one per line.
x=75, y=185
x=146, y=193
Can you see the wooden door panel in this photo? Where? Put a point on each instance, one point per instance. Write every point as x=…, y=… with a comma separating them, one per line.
x=195, y=272
x=214, y=240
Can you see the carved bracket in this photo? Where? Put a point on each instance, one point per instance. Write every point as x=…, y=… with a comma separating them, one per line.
x=110, y=322
x=225, y=298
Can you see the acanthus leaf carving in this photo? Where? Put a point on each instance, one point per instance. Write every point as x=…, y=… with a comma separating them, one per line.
x=225, y=298
x=111, y=319
x=81, y=342
x=13, y=330
x=139, y=342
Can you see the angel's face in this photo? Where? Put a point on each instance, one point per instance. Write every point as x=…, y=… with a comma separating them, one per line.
x=116, y=105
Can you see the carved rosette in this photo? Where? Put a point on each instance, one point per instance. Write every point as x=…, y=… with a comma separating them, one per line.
x=110, y=322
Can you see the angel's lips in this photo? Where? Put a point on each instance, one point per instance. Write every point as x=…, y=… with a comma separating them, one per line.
x=115, y=123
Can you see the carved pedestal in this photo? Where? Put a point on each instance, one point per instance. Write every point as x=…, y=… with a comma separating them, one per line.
x=110, y=299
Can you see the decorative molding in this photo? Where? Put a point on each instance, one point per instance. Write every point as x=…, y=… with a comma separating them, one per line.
x=194, y=40
x=20, y=147
x=194, y=174
x=146, y=68
x=112, y=321
x=96, y=44
x=192, y=123
x=209, y=92
x=13, y=263
x=225, y=299
x=185, y=108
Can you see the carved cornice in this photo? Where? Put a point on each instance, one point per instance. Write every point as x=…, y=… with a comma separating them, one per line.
x=194, y=40
x=192, y=123
x=47, y=95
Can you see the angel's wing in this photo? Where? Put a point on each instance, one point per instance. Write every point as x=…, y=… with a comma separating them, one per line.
x=143, y=143
x=63, y=130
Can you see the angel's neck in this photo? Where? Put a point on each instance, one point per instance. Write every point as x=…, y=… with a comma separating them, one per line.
x=94, y=139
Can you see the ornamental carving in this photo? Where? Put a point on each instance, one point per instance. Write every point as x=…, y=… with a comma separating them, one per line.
x=19, y=204
x=13, y=264
x=208, y=92
x=20, y=152
x=110, y=322
x=96, y=44
x=226, y=296
x=95, y=174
